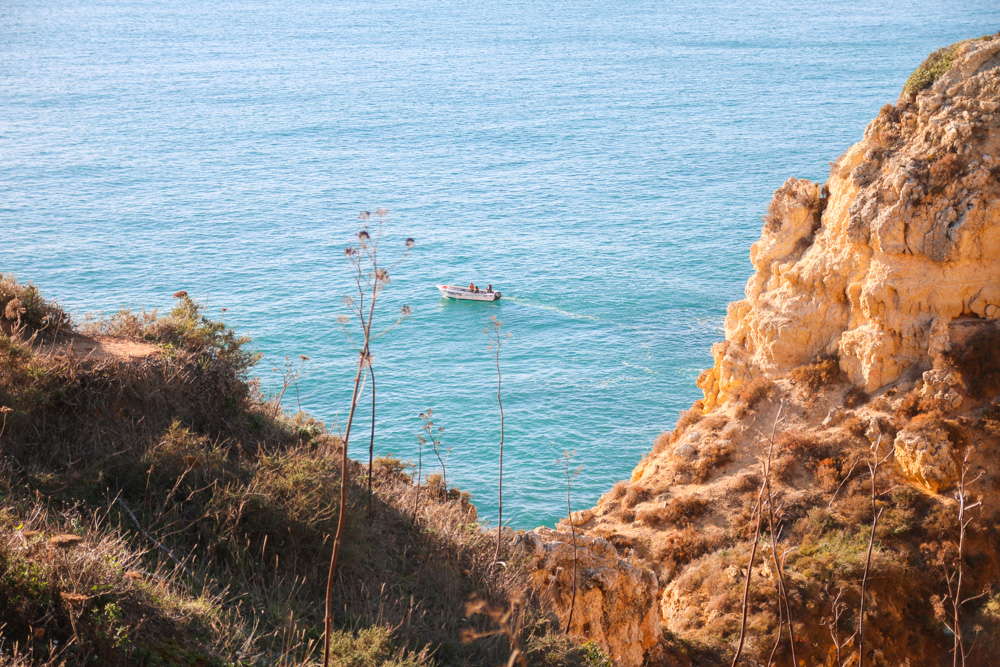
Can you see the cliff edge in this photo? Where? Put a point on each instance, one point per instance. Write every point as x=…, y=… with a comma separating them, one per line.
x=822, y=503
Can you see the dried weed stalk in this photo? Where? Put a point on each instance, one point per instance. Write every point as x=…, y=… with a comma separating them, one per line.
x=370, y=280
x=758, y=520
x=565, y=462
x=955, y=579
x=874, y=462
x=493, y=330
x=508, y=620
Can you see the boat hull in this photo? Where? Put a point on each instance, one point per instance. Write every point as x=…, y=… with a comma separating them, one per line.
x=465, y=294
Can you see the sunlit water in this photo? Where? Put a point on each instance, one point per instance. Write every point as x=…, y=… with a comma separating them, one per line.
x=604, y=164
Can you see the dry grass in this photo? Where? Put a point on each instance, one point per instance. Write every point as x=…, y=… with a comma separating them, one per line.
x=177, y=456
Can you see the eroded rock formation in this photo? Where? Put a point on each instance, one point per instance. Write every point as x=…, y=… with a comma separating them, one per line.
x=615, y=603
x=901, y=242
x=860, y=378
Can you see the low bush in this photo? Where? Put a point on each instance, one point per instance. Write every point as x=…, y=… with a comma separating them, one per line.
x=944, y=171
x=855, y=397
x=929, y=71
x=688, y=418
x=751, y=394
x=821, y=373
x=681, y=547
x=22, y=305
x=617, y=492
x=679, y=512
x=634, y=495
x=711, y=456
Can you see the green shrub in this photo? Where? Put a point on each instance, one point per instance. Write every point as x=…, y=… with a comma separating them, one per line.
x=23, y=305
x=929, y=71
x=934, y=67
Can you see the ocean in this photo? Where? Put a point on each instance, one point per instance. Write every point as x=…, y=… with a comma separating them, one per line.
x=603, y=164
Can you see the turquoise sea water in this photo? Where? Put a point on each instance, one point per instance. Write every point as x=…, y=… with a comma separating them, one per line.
x=604, y=164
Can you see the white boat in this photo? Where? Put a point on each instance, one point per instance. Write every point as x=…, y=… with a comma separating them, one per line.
x=455, y=292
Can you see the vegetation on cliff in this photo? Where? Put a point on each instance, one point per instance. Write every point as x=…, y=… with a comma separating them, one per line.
x=156, y=509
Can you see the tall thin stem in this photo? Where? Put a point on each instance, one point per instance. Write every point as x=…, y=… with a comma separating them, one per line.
x=496, y=329
x=873, y=465
x=759, y=512
x=572, y=528
x=779, y=576
x=342, y=515
x=420, y=472
x=364, y=358
x=962, y=496
x=371, y=442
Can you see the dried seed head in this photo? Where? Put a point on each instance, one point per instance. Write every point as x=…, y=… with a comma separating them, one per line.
x=66, y=541
x=381, y=212
x=363, y=235
x=74, y=599
x=180, y=295
x=410, y=243
x=6, y=410
x=364, y=215
x=14, y=309
x=405, y=311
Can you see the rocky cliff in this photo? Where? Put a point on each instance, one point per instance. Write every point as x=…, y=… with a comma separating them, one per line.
x=812, y=507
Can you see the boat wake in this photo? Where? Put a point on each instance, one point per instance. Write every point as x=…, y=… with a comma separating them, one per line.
x=555, y=309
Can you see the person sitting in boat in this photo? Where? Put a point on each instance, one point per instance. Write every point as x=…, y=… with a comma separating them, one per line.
x=489, y=288
x=472, y=288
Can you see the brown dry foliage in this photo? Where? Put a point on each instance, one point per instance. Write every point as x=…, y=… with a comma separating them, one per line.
x=679, y=512
x=617, y=492
x=943, y=172
x=662, y=442
x=688, y=418
x=23, y=305
x=681, y=547
x=751, y=394
x=855, y=397
x=711, y=456
x=634, y=495
x=821, y=373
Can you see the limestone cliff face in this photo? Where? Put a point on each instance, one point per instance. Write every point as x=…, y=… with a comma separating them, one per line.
x=869, y=336
x=902, y=241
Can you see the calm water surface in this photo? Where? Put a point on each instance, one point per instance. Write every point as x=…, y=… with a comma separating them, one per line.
x=604, y=164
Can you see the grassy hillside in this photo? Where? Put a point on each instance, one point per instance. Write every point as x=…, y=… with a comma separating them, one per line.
x=155, y=509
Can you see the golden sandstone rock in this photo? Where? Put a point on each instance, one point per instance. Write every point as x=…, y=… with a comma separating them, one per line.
x=902, y=241
x=924, y=455
x=891, y=272
x=615, y=600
